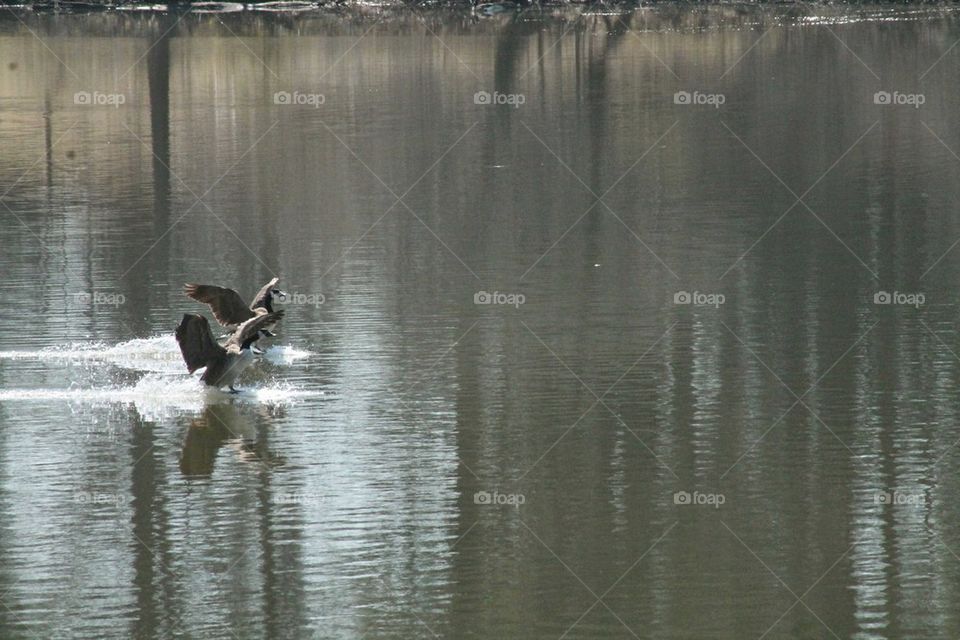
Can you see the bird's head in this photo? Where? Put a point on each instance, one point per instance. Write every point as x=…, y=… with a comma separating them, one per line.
x=273, y=294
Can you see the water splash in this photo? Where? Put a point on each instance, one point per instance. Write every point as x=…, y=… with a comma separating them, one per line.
x=159, y=354
x=158, y=396
x=288, y=6
x=283, y=354
x=216, y=7
x=166, y=389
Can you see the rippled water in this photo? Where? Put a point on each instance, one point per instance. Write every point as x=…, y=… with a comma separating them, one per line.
x=590, y=458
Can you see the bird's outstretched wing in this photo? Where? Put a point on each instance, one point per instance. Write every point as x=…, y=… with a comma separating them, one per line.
x=228, y=307
x=252, y=326
x=260, y=299
x=196, y=342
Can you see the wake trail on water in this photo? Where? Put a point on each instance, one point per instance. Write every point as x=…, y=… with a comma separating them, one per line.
x=166, y=388
x=156, y=396
x=158, y=354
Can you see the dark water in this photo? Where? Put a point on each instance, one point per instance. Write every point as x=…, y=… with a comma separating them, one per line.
x=345, y=493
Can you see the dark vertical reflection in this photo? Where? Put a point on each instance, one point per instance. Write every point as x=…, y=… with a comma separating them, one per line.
x=149, y=514
x=466, y=574
x=149, y=526
x=48, y=136
x=511, y=47
x=280, y=541
x=597, y=118
x=10, y=622
x=158, y=77
x=156, y=264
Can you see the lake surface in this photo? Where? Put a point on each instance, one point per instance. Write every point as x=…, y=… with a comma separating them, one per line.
x=489, y=412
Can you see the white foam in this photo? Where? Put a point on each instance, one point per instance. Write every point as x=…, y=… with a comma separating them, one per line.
x=157, y=354
x=165, y=389
x=156, y=396
x=140, y=7
x=283, y=354
x=283, y=6
x=216, y=7
x=149, y=354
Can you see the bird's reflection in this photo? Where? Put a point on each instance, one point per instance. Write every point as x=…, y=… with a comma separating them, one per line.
x=221, y=424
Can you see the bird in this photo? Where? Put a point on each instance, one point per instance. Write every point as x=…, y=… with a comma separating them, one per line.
x=229, y=308
x=224, y=363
